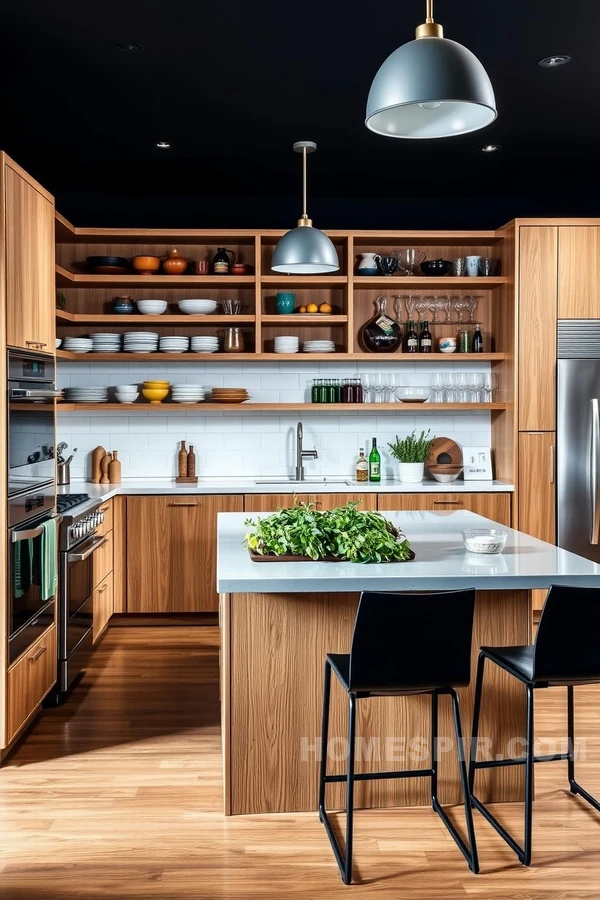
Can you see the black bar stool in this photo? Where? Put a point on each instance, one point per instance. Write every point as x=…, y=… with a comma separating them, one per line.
x=566, y=652
x=402, y=644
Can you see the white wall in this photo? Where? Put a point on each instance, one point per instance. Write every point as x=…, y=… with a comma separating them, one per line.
x=244, y=443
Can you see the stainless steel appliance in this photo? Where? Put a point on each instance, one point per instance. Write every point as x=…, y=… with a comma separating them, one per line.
x=77, y=543
x=31, y=421
x=578, y=437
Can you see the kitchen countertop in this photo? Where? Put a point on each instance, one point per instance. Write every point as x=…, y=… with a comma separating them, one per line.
x=135, y=486
x=441, y=562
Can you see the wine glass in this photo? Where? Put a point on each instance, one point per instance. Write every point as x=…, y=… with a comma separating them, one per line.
x=472, y=304
x=422, y=306
x=389, y=381
x=448, y=384
x=434, y=308
x=436, y=383
x=410, y=307
x=398, y=308
x=463, y=387
x=446, y=305
x=461, y=305
x=379, y=387
x=489, y=385
x=476, y=381
x=409, y=260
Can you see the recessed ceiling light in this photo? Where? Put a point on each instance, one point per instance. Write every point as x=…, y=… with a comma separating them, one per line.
x=491, y=148
x=163, y=145
x=552, y=62
x=128, y=48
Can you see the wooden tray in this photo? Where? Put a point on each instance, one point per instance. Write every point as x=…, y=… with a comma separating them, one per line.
x=256, y=557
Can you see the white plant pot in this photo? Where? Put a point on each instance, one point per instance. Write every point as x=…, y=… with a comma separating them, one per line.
x=411, y=473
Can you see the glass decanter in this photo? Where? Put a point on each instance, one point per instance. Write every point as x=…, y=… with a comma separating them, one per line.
x=381, y=334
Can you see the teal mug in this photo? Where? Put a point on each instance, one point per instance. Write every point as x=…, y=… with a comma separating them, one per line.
x=286, y=302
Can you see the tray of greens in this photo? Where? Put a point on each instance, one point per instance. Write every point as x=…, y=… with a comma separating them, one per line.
x=303, y=533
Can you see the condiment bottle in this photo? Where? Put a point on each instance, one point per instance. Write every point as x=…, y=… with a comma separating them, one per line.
x=412, y=338
x=464, y=341
x=191, y=463
x=374, y=462
x=425, y=340
x=114, y=469
x=477, y=339
x=362, y=466
x=182, y=461
x=222, y=261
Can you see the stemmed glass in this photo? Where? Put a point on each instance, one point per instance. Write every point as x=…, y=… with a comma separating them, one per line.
x=476, y=381
x=472, y=304
x=398, y=308
x=448, y=384
x=461, y=305
x=436, y=383
x=446, y=305
x=422, y=306
x=410, y=306
x=434, y=306
x=489, y=385
x=389, y=382
x=463, y=386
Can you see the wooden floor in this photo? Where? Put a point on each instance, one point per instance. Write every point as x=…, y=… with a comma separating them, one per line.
x=118, y=794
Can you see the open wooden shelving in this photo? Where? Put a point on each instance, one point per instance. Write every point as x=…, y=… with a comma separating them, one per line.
x=281, y=357
x=65, y=278
x=68, y=318
x=208, y=406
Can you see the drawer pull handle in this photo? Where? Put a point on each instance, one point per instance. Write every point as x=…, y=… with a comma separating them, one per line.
x=447, y=502
x=102, y=589
x=183, y=504
x=37, y=655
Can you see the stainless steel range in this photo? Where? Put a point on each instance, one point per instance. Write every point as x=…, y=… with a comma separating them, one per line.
x=77, y=544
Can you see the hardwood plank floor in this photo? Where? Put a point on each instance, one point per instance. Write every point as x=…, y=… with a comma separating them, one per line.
x=117, y=794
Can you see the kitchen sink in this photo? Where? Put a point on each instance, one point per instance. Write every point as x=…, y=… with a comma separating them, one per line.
x=306, y=481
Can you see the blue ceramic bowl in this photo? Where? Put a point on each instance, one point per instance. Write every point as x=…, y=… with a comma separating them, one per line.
x=438, y=267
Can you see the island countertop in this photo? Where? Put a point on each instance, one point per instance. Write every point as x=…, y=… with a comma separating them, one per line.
x=441, y=561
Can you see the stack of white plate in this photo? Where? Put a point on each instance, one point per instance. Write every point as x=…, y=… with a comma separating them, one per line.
x=77, y=344
x=86, y=394
x=204, y=344
x=174, y=344
x=284, y=343
x=318, y=347
x=105, y=343
x=188, y=393
x=197, y=307
x=140, y=342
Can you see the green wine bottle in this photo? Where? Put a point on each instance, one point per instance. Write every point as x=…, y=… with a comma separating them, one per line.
x=374, y=462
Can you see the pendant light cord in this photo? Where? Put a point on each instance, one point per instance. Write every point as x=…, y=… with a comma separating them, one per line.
x=304, y=212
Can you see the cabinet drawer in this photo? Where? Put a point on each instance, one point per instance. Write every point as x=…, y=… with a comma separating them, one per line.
x=29, y=680
x=494, y=505
x=102, y=560
x=107, y=525
x=103, y=606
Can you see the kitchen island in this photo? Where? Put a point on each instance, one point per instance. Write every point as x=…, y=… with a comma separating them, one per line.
x=279, y=620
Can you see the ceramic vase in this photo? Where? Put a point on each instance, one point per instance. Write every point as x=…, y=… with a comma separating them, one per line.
x=411, y=473
x=368, y=264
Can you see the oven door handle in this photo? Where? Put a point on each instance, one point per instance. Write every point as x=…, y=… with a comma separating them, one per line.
x=79, y=557
x=26, y=535
x=36, y=394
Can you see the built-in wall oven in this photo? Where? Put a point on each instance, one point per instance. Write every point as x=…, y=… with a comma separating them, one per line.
x=31, y=496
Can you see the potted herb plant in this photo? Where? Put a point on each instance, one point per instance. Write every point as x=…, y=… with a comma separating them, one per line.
x=411, y=453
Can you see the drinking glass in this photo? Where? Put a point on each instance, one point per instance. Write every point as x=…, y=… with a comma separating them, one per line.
x=472, y=305
x=461, y=305
x=448, y=384
x=398, y=308
x=422, y=305
x=487, y=265
x=446, y=305
x=489, y=385
x=459, y=266
x=409, y=259
x=434, y=307
x=436, y=383
x=379, y=387
x=410, y=307
x=462, y=387
x=476, y=385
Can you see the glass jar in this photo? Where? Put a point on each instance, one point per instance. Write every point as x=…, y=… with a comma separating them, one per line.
x=348, y=390
x=314, y=391
x=359, y=393
x=464, y=341
x=234, y=340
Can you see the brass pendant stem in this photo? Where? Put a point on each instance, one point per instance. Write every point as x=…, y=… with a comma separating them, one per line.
x=429, y=28
x=429, y=11
x=304, y=213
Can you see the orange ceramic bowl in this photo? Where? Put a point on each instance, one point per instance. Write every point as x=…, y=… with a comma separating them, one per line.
x=146, y=265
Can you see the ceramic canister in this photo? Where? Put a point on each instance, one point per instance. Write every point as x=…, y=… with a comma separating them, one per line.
x=368, y=264
x=472, y=265
x=285, y=302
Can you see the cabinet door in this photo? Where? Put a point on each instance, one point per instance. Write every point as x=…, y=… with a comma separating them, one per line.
x=578, y=267
x=330, y=501
x=494, y=506
x=30, y=290
x=171, y=552
x=103, y=606
x=537, y=511
x=273, y=502
x=29, y=680
x=538, y=248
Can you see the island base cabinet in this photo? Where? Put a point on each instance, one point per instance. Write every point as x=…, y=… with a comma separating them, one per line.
x=492, y=505
x=273, y=654
x=103, y=606
x=29, y=680
x=171, y=552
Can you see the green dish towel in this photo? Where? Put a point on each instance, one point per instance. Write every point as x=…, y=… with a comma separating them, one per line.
x=48, y=575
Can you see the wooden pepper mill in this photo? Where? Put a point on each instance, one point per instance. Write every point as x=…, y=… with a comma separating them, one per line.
x=97, y=456
x=182, y=461
x=106, y=460
x=186, y=466
x=191, y=463
x=114, y=469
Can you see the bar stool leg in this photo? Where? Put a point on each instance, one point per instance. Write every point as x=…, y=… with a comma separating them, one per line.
x=434, y=748
x=347, y=875
x=571, y=738
x=462, y=768
x=475, y=726
x=324, y=739
x=526, y=858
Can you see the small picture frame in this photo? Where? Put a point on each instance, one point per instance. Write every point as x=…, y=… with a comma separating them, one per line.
x=477, y=462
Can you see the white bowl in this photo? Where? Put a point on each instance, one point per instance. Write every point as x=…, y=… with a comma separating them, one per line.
x=57, y=342
x=151, y=307
x=126, y=398
x=484, y=540
x=197, y=307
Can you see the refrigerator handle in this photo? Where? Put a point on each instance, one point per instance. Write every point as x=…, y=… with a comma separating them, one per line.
x=593, y=470
x=552, y=464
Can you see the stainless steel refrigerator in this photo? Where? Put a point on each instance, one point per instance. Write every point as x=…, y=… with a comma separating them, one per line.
x=578, y=437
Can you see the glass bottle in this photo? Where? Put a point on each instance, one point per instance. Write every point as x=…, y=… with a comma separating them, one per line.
x=477, y=339
x=362, y=466
x=381, y=334
x=323, y=391
x=314, y=391
x=374, y=462
x=222, y=261
x=425, y=339
x=464, y=341
x=412, y=338
x=234, y=340
x=359, y=394
x=348, y=391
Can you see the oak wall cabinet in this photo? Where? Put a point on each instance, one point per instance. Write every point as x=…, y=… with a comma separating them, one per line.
x=494, y=506
x=171, y=552
x=30, y=271
x=28, y=681
x=537, y=512
x=578, y=268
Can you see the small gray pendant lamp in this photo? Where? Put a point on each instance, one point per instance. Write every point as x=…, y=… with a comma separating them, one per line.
x=430, y=88
x=305, y=250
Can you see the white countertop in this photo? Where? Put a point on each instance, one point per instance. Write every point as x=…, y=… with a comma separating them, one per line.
x=134, y=486
x=441, y=561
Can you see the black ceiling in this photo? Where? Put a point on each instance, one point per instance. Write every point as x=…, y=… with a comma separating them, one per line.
x=233, y=84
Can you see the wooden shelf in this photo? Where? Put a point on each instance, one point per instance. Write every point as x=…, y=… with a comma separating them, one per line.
x=294, y=319
x=475, y=284
x=64, y=278
x=281, y=357
x=207, y=406
x=67, y=318
x=304, y=280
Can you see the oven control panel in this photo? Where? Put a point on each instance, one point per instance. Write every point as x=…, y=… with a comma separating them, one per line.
x=86, y=526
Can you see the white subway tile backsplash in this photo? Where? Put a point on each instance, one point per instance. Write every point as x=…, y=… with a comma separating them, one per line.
x=252, y=443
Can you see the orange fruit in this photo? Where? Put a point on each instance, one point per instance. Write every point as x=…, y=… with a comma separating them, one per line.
x=325, y=308
x=302, y=309
x=312, y=308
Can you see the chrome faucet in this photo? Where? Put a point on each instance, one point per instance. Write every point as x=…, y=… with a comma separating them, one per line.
x=302, y=454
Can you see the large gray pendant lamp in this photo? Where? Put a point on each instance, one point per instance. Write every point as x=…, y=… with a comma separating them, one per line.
x=430, y=88
x=305, y=250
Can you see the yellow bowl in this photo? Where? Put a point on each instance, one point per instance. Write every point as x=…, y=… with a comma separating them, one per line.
x=155, y=395
x=157, y=383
